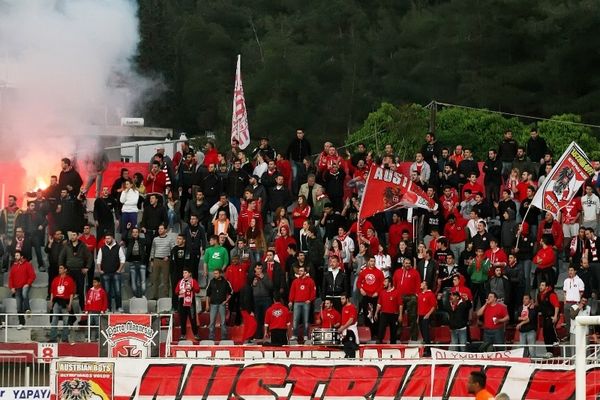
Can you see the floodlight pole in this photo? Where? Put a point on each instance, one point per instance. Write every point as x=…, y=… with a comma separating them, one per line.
x=581, y=328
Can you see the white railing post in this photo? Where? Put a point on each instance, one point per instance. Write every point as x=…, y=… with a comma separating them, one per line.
x=581, y=328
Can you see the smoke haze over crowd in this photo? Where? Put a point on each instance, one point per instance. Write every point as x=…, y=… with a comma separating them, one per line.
x=68, y=65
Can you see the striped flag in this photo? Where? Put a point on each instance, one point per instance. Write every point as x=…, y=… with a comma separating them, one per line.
x=239, y=119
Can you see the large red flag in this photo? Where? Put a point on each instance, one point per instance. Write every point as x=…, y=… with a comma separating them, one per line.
x=239, y=119
x=387, y=190
x=564, y=180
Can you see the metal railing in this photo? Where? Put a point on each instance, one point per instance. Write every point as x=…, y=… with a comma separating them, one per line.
x=23, y=369
x=88, y=332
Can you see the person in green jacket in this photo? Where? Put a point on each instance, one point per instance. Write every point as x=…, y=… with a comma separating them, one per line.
x=478, y=271
x=215, y=257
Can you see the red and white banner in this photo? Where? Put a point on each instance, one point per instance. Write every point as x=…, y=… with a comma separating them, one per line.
x=441, y=354
x=83, y=380
x=367, y=352
x=239, y=119
x=146, y=379
x=387, y=190
x=566, y=177
x=129, y=335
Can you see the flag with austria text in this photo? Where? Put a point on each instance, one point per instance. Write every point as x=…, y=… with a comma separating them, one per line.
x=239, y=119
x=564, y=180
x=387, y=190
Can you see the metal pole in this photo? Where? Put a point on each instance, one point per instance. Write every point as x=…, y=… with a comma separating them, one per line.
x=136, y=156
x=27, y=372
x=581, y=324
x=432, y=116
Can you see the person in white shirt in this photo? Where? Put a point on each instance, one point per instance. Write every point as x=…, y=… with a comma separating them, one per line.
x=573, y=287
x=383, y=262
x=590, y=204
x=576, y=310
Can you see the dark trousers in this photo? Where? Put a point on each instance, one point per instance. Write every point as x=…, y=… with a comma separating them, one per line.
x=369, y=303
x=478, y=293
x=260, y=308
x=424, y=327
x=186, y=313
x=547, y=275
x=550, y=336
x=279, y=337
x=234, y=307
x=387, y=320
x=81, y=282
x=410, y=306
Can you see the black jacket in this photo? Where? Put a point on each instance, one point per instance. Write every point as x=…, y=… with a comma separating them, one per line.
x=218, y=290
x=432, y=272
x=298, y=149
x=458, y=316
x=152, y=217
x=493, y=171
x=507, y=151
x=334, y=287
x=129, y=250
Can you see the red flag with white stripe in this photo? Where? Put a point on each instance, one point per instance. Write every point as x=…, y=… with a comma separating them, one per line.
x=239, y=119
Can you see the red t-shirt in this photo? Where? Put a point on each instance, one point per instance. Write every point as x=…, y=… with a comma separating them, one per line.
x=237, y=275
x=370, y=280
x=90, y=242
x=349, y=311
x=425, y=302
x=407, y=281
x=277, y=316
x=330, y=318
x=455, y=233
x=571, y=211
x=390, y=301
x=498, y=310
x=63, y=287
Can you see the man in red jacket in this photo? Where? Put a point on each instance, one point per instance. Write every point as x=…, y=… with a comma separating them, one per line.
x=156, y=181
x=236, y=274
x=369, y=283
x=407, y=282
x=426, y=305
x=63, y=288
x=277, y=321
x=549, y=226
x=20, y=279
x=544, y=261
x=302, y=294
x=455, y=232
x=96, y=303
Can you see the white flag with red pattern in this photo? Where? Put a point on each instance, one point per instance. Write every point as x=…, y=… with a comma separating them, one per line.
x=239, y=119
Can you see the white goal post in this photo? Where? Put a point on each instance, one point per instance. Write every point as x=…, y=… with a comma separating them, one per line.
x=582, y=325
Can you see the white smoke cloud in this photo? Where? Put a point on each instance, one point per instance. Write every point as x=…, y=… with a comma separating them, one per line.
x=69, y=65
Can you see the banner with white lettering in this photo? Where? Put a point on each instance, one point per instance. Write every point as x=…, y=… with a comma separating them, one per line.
x=441, y=354
x=172, y=378
x=129, y=335
x=387, y=190
x=25, y=393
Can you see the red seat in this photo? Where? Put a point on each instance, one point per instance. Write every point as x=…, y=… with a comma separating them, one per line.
x=203, y=319
x=441, y=334
x=475, y=332
x=364, y=334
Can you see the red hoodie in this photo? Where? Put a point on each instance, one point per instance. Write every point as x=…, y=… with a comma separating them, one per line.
x=555, y=230
x=21, y=274
x=303, y=289
x=237, y=275
x=281, y=246
x=96, y=300
x=545, y=258
x=456, y=232
x=370, y=280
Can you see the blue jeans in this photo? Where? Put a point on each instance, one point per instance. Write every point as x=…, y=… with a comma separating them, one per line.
x=494, y=336
x=59, y=309
x=458, y=338
x=22, y=296
x=214, y=309
x=137, y=274
x=128, y=221
x=301, y=311
x=528, y=338
x=112, y=285
x=261, y=304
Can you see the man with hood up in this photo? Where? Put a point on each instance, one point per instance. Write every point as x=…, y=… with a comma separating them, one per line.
x=508, y=231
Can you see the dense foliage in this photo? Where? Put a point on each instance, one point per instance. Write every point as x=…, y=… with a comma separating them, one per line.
x=325, y=65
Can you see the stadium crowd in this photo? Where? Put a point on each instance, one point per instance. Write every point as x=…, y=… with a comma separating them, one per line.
x=273, y=236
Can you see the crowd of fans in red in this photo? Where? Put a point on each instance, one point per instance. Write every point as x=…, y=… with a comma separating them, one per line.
x=269, y=231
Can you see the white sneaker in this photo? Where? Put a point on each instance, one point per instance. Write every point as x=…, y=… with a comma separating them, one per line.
x=305, y=338
x=19, y=327
x=294, y=338
x=120, y=310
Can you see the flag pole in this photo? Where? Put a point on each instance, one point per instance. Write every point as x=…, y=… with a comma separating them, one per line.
x=522, y=222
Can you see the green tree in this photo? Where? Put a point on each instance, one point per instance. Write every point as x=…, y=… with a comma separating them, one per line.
x=559, y=133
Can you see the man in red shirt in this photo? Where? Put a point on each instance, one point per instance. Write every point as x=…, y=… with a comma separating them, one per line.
x=549, y=308
x=302, y=293
x=455, y=232
x=156, y=181
x=549, y=226
x=330, y=318
x=277, y=321
x=20, y=279
x=349, y=327
x=96, y=302
x=544, y=261
x=389, y=310
x=407, y=282
x=497, y=257
x=369, y=283
x=63, y=288
x=426, y=305
x=472, y=185
x=494, y=316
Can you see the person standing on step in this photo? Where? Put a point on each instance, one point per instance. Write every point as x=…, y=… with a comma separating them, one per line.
x=218, y=294
x=110, y=263
x=186, y=290
x=63, y=289
x=20, y=279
